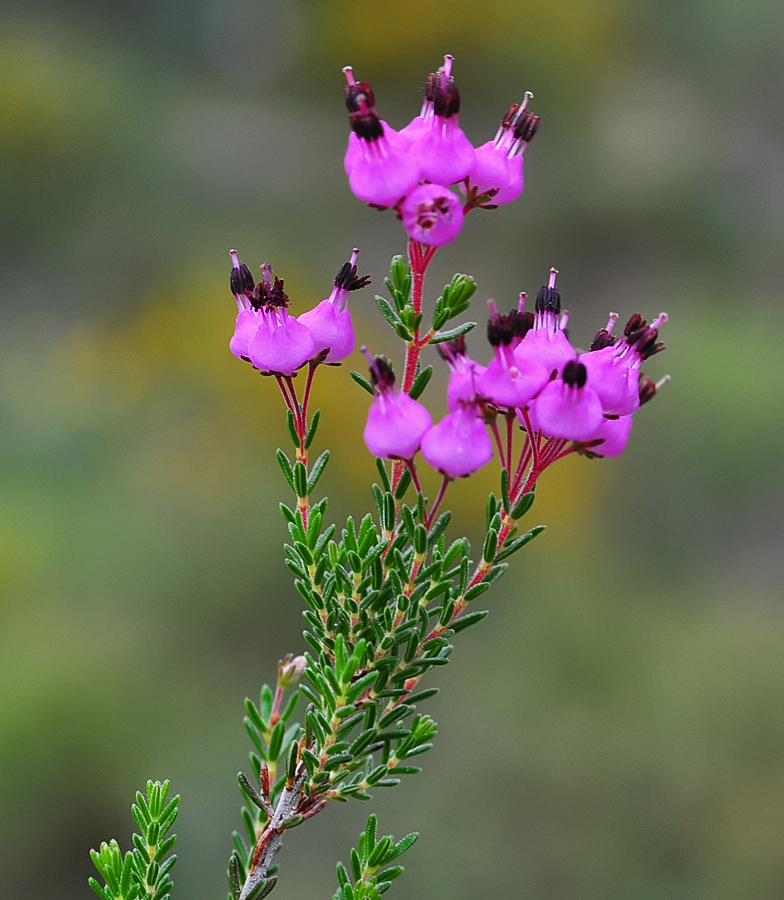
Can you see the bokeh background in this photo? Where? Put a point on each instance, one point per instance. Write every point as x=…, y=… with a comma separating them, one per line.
x=615, y=729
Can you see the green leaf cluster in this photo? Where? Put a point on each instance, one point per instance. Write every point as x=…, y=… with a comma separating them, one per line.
x=368, y=861
x=142, y=873
x=381, y=600
x=455, y=299
x=403, y=317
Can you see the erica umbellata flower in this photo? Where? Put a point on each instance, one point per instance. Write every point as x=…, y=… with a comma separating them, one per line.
x=614, y=363
x=546, y=341
x=396, y=423
x=432, y=214
x=510, y=380
x=612, y=435
x=330, y=321
x=436, y=142
x=498, y=167
x=568, y=407
x=379, y=170
x=459, y=444
x=265, y=334
x=248, y=319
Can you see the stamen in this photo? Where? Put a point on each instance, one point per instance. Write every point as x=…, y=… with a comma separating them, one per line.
x=659, y=320
x=348, y=71
x=447, y=67
x=553, y=276
x=523, y=106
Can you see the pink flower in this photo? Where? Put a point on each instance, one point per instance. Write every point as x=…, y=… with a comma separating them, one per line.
x=464, y=373
x=379, y=170
x=613, y=434
x=509, y=381
x=396, y=423
x=567, y=407
x=330, y=321
x=546, y=342
x=613, y=364
x=498, y=168
x=438, y=145
x=265, y=334
x=248, y=320
x=459, y=444
x=432, y=214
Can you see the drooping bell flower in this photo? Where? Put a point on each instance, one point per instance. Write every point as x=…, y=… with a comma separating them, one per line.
x=509, y=381
x=459, y=444
x=464, y=373
x=379, y=170
x=248, y=319
x=438, y=145
x=547, y=342
x=613, y=364
x=613, y=433
x=613, y=436
x=498, y=168
x=432, y=215
x=330, y=321
x=568, y=407
x=396, y=423
x=280, y=344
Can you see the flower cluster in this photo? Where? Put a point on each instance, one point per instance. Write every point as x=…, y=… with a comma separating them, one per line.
x=562, y=399
x=277, y=343
x=412, y=169
x=386, y=595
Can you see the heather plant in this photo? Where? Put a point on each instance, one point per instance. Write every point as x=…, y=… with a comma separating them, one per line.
x=387, y=595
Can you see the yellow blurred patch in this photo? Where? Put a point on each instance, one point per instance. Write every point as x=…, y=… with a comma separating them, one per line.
x=385, y=33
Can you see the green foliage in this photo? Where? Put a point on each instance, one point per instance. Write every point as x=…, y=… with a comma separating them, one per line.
x=368, y=860
x=143, y=873
x=404, y=318
x=455, y=299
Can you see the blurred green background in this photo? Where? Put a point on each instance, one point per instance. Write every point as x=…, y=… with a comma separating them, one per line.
x=616, y=727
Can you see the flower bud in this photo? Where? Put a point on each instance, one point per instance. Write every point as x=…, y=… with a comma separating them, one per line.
x=290, y=670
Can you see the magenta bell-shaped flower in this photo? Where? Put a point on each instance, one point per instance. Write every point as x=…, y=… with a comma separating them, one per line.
x=379, y=170
x=248, y=319
x=281, y=345
x=459, y=444
x=547, y=342
x=432, y=215
x=498, y=167
x=567, y=407
x=265, y=334
x=613, y=365
x=509, y=381
x=330, y=321
x=464, y=373
x=396, y=423
x=614, y=435
x=438, y=145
